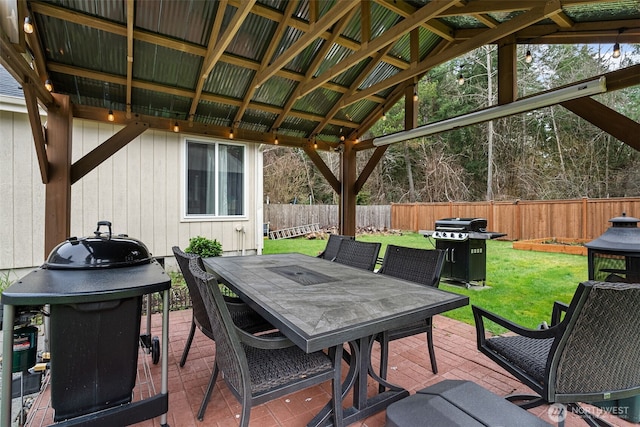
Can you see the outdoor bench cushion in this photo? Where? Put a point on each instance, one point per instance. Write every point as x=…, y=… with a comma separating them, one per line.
x=456, y=403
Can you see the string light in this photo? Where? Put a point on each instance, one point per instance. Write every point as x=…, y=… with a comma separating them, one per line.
x=616, y=50
x=384, y=115
x=231, y=133
x=460, y=79
x=528, y=58
x=275, y=141
x=110, y=116
x=28, y=26
x=176, y=128
x=415, y=94
x=48, y=85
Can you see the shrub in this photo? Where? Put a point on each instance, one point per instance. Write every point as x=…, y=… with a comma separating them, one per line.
x=204, y=247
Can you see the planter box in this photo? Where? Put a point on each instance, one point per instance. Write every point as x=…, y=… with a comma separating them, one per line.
x=553, y=244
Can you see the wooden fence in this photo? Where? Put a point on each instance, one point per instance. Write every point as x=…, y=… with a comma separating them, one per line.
x=521, y=220
x=286, y=216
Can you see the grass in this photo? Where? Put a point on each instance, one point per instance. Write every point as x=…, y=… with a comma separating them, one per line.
x=521, y=285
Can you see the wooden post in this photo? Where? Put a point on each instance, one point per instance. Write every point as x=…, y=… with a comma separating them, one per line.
x=57, y=220
x=507, y=70
x=347, y=212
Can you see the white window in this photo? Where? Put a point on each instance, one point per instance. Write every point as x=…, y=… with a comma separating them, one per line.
x=215, y=181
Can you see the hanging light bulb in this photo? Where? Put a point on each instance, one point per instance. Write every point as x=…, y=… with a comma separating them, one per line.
x=28, y=26
x=275, y=141
x=315, y=144
x=231, y=133
x=176, y=127
x=460, y=79
x=48, y=85
x=110, y=116
x=415, y=94
x=528, y=58
x=616, y=50
x=384, y=115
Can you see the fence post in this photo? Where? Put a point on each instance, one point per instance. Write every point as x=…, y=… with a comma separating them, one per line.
x=584, y=217
x=518, y=220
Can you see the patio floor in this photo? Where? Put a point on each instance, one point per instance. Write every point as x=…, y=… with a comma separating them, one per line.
x=456, y=354
x=409, y=367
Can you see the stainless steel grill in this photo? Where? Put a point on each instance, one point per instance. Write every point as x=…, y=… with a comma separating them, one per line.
x=464, y=243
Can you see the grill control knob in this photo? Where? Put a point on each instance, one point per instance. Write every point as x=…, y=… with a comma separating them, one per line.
x=459, y=235
x=444, y=234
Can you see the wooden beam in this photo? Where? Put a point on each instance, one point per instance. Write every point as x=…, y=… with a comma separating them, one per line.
x=105, y=150
x=404, y=9
x=322, y=167
x=386, y=38
x=130, y=24
x=348, y=194
x=57, y=218
x=507, y=70
x=610, y=121
x=339, y=10
x=483, y=38
x=37, y=130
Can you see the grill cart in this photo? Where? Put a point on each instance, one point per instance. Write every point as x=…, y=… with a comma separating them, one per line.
x=465, y=246
x=94, y=287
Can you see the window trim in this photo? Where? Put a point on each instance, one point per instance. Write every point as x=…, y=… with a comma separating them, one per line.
x=184, y=193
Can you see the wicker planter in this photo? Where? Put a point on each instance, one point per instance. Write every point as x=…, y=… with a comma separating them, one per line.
x=553, y=244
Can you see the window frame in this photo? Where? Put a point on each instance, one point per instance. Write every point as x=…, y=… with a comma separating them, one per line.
x=184, y=191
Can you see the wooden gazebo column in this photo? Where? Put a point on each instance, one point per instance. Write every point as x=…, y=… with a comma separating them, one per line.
x=57, y=219
x=348, y=176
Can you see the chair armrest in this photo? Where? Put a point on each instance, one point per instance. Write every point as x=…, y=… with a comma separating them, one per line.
x=479, y=314
x=267, y=341
x=559, y=308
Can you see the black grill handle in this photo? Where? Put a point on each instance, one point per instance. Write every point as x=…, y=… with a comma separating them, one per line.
x=100, y=224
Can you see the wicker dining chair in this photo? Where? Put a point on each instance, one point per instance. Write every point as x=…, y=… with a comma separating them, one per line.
x=333, y=244
x=260, y=368
x=242, y=314
x=423, y=266
x=358, y=254
x=591, y=355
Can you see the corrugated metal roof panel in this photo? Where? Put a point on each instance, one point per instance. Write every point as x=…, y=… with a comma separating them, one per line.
x=258, y=121
x=166, y=66
x=318, y=102
x=624, y=9
x=336, y=54
x=253, y=37
x=274, y=91
x=189, y=20
x=214, y=113
x=111, y=10
x=402, y=48
x=300, y=63
x=228, y=80
x=357, y=111
x=89, y=48
x=159, y=104
x=381, y=72
x=381, y=20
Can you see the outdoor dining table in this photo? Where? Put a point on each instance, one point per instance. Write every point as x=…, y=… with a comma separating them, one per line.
x=319, y=304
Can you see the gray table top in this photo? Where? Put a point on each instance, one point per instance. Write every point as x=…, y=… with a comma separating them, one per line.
x=319, y=304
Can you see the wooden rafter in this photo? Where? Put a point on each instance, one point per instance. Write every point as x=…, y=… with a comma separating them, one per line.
x=388, y=37
x=313, y=67
x=342, y=8
x=37, y=130
x=216, y=49
x=404, y=9
x=277, y=37
x=486, y=37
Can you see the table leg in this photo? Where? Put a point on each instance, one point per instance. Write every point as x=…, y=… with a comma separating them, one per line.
x=360, y=369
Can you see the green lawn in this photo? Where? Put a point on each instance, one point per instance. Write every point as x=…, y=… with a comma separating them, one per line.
x=521, y=285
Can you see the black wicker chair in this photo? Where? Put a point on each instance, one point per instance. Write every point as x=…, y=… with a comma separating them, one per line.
x=333, y=244
x=358, y=254
x=417, y=265
x=242, y=314
x=260, y=368
x=591, y=355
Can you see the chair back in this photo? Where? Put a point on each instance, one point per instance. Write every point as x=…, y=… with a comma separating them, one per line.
x=596, y=358
x=358, y=254
x=200, y=315
x=417, y=265
x=230, y=356
x=333, y=244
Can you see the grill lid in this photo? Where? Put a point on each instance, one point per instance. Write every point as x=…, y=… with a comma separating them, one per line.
x=462, y=224
x=102, y=250
x=622, y=236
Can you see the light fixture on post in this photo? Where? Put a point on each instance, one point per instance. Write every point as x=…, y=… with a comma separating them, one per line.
x=48, y=85
x=553, y=97
x=528, y=57
x=110, y=116
x=28, y=25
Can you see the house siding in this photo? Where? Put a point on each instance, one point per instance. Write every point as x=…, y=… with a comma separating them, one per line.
x=138, y=189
